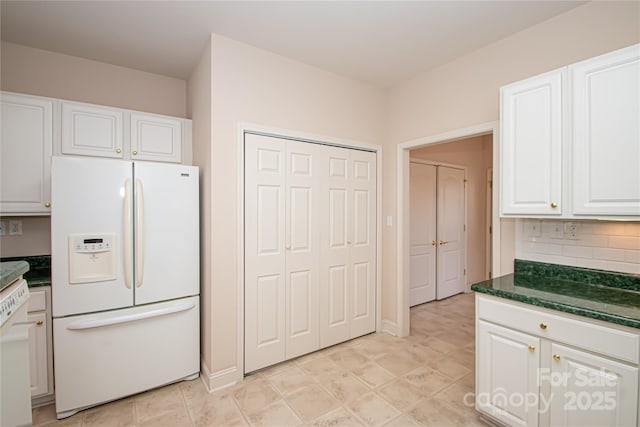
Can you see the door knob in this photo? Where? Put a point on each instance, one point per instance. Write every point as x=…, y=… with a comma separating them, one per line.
x=135, y=153
x=532, y=348
x=47, y=204
x=554, y=205
x=433, y=243
x=543, y=326
x=442, y=242
x=556, y=357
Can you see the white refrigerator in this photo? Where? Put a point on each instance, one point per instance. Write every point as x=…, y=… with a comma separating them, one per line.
x=125, y=278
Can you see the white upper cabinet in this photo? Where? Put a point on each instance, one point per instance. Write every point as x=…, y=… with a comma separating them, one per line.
x=531, y=145
x=156, y=138
x=570, y=143
x=606, y=134
x=91, y=130
x=25, y=154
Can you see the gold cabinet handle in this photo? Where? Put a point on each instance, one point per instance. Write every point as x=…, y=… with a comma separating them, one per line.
x=135, y=153
x=39, y=323
x=532, y=348
x=433, y=243
x=118, y=150
x=554, y=205
x=442, y=242
x=543, y=326
x=47, y=204
x=556, y=357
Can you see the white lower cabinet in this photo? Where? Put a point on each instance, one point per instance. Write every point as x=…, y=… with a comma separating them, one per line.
x=539, y=367
x=40, y=347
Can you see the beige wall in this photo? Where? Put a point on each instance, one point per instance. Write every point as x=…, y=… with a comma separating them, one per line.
x=465, y=91
x=40, y=72
x=199, y=109
x=35, y=238
x=256, y=86
x=475, y=155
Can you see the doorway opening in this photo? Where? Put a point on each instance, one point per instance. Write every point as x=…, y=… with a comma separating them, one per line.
x=476, y=149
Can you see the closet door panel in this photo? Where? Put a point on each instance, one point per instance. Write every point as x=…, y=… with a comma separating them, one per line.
x=264, y=251
x=302, y=246
x=451, y=217
x=361, y=239
x=335, y=278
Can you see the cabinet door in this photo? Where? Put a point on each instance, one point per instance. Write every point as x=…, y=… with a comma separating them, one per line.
x=508, y=363
x=606, y=134
x=91, y=130
x=589, y=390
x=531, y=116
x=38, y=353
x=25, y=154
x=156, y=138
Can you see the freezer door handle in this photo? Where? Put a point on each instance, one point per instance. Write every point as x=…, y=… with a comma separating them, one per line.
x=139, y=236
x=128, y=241
x=125, y=318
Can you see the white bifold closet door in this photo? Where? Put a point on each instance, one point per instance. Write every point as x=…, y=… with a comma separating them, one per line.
x=437, y=243
x=309, y=247
x=348, y=258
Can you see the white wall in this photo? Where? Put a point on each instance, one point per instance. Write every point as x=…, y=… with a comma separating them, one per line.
x=603, y=245
x=256, y=86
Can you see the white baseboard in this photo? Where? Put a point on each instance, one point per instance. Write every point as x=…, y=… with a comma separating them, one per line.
x=218, y=380
x=390, y=327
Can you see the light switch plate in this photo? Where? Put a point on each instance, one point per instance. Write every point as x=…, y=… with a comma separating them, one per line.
x=15, y=228
x=555, y=230
x=3, y=228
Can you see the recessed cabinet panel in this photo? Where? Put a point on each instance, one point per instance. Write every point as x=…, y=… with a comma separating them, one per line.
x=90, y=130
x=156, y=138
x=606, y=134
x=531, y=145
x=38, y=353
x=26, y=144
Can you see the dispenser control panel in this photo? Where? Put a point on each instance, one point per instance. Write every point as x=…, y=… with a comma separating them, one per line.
x=92, y=258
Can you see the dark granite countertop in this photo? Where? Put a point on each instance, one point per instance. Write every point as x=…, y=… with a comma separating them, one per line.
x=609, y=296
x=39, y=273
x=10, y=271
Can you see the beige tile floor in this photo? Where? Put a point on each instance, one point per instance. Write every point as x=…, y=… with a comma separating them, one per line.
x=376, y=380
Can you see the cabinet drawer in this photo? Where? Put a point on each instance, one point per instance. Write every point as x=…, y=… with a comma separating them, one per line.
x=37, y=300
x=541, y=322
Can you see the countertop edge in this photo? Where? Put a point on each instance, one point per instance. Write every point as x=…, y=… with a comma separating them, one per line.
x=566, y=308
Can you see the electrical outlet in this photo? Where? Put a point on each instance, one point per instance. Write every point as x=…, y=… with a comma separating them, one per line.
x=532, y=227
x=15, y=228
x=3, y=228
x=555, y=230
x=571, y=230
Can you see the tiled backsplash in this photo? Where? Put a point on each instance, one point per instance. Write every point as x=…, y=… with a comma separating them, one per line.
x=605, y=245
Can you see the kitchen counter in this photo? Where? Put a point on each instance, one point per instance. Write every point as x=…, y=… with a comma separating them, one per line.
x=609, y=296
x=39, y=269
x=10, y=271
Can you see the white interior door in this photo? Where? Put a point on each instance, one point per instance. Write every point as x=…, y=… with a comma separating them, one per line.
x=422, y=250
x=451, y=242
x=166, y=224
x=302, y=244
x=264, y=222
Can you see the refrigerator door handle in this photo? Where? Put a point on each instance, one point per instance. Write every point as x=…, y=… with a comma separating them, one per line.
x=139, y=234
x=128, y=241
x=125, y=318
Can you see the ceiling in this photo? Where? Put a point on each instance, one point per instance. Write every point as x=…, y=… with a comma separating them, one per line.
x=380, y=42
